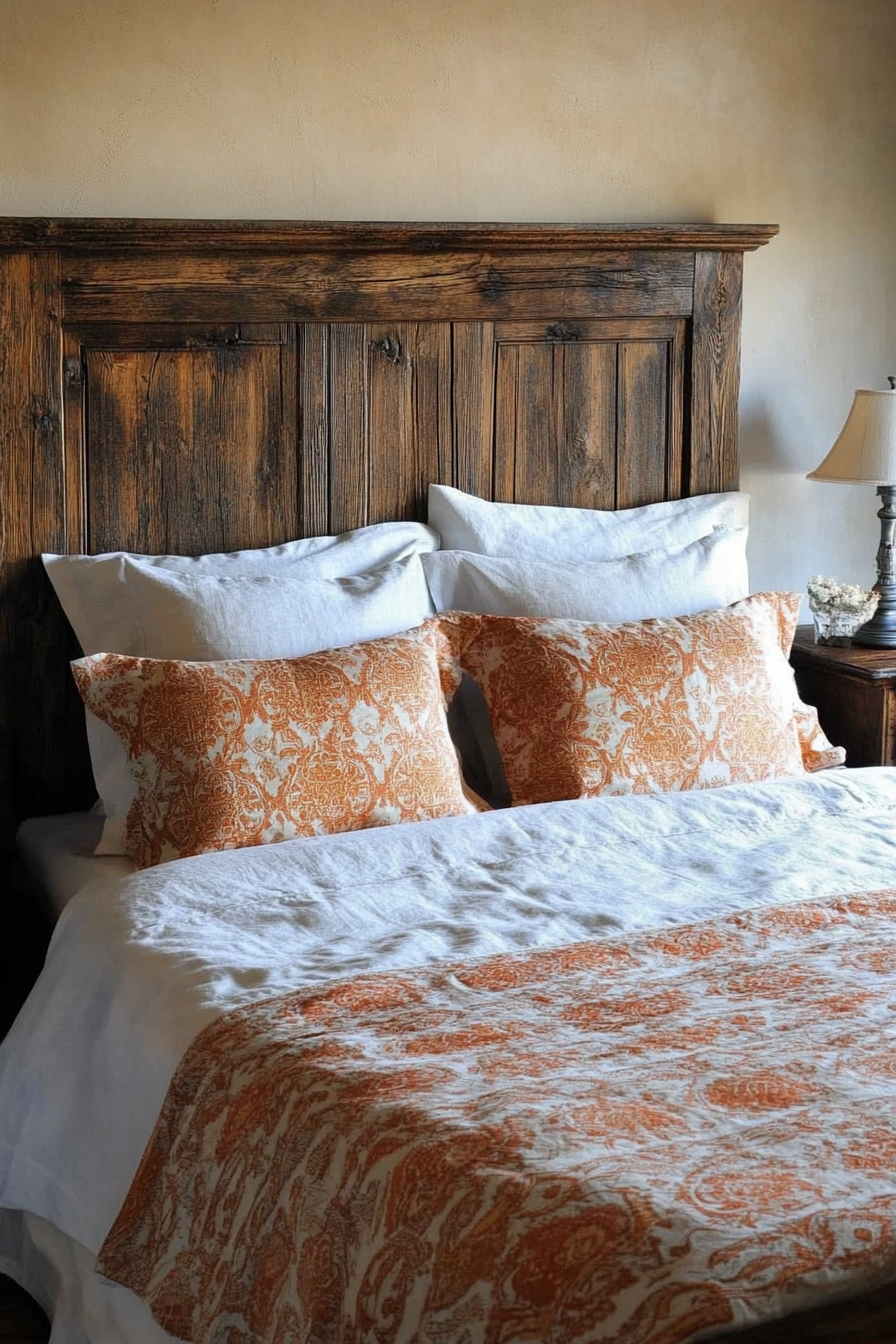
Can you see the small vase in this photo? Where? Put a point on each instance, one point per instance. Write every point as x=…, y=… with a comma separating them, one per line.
x=835, y=627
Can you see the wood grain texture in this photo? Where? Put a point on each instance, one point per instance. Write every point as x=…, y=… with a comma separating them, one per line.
x=215, y=386
x=33, y=642
x=642, y=443
x=191, y=448
x=375, y=286
x=349, y=421
x=474, y=370
x=854, y=691
x=313, y=426
x=866, y=664
x=556, y=414
x=218, y=236
x=711, y=435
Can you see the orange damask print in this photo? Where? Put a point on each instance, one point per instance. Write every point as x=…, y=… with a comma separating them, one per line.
x=644, y=707
x=228, y=754
x=613, y=1141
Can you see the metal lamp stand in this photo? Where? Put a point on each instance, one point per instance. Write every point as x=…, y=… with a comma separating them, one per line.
x=880, y=631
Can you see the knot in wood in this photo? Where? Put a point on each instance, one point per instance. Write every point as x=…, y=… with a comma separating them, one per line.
x=40, y=416
x=390, y=346
x=561, y=331
x=493, y=285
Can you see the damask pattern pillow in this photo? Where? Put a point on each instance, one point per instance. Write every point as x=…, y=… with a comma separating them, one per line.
x=234, y=753
x=641, y=707
x=817, y=751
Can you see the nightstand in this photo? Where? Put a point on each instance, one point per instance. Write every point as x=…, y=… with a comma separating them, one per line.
x=854, y=691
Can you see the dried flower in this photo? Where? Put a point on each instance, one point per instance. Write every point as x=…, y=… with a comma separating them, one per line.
x=828, y=596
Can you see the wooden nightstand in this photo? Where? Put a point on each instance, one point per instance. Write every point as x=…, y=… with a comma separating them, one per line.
x=854, y=691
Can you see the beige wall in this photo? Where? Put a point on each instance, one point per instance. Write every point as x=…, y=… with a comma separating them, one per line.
x=732, y=110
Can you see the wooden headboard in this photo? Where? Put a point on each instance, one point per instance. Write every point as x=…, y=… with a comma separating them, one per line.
x=199, y=386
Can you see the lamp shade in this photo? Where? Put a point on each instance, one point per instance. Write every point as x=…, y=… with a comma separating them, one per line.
x=866, y=448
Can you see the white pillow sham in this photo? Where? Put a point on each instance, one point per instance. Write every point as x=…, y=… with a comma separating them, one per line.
x=547, y=532
x=100, y=609
x=710, y=572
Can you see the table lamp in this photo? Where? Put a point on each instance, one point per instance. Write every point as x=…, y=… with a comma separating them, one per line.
x=865, y=453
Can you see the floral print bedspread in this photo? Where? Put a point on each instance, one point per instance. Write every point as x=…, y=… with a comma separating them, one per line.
x=651, y=1138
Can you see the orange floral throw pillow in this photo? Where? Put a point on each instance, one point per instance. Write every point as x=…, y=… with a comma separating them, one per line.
x=641, y=707
x=817, y=751
x=231, y=753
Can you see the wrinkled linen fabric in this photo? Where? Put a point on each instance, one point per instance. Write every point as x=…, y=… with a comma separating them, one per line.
x=634, y=1138
x=710, y=572
x=137, y=968
x=557, y=533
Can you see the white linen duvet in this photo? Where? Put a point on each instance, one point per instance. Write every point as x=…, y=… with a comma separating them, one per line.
x=137, y=967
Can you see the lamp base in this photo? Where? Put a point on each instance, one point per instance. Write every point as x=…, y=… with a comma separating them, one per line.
x=880, y=631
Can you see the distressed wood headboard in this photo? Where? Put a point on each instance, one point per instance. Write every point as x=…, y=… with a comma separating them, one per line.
x=199, y=386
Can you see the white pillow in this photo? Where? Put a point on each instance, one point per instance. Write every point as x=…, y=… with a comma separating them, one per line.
x=203, y=617
x=94, y=596
x=546, y=532
x=711, y=572
x=107, y=614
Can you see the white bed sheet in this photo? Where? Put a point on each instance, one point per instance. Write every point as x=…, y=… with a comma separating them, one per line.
x=59, y=1274
x=137, y=967
x=59, y=852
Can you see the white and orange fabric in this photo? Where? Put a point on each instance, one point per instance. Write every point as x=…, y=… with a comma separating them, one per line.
x=643, y=1138
x=818, y=752
x=235, y=753
x=653, y=706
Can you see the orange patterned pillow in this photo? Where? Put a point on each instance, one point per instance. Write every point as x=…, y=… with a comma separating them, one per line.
x=228, y=754
x=818, y=753
x=643, y=707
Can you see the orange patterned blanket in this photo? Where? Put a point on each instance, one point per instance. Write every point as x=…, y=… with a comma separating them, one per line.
x=643, y=1139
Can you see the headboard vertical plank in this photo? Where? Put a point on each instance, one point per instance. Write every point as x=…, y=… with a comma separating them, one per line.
x=32, y=519
x=510, y=420
x=409, y=396
x=537, y=400
x=473, y=378
x=675, y=412
x=585, y=444
x=715, y=372
x=74, y=379
x=134, y=397
x=642, y=436
x=313, y=429
x=432, y=409
x=349, y=426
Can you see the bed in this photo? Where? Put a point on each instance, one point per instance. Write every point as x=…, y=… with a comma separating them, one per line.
x=191, y=388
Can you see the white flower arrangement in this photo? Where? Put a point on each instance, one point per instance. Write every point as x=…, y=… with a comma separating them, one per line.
x=831, y=598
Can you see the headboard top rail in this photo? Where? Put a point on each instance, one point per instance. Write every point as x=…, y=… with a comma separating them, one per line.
x=309, y=235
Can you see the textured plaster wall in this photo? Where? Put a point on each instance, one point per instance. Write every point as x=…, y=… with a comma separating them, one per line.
x=770, y=110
